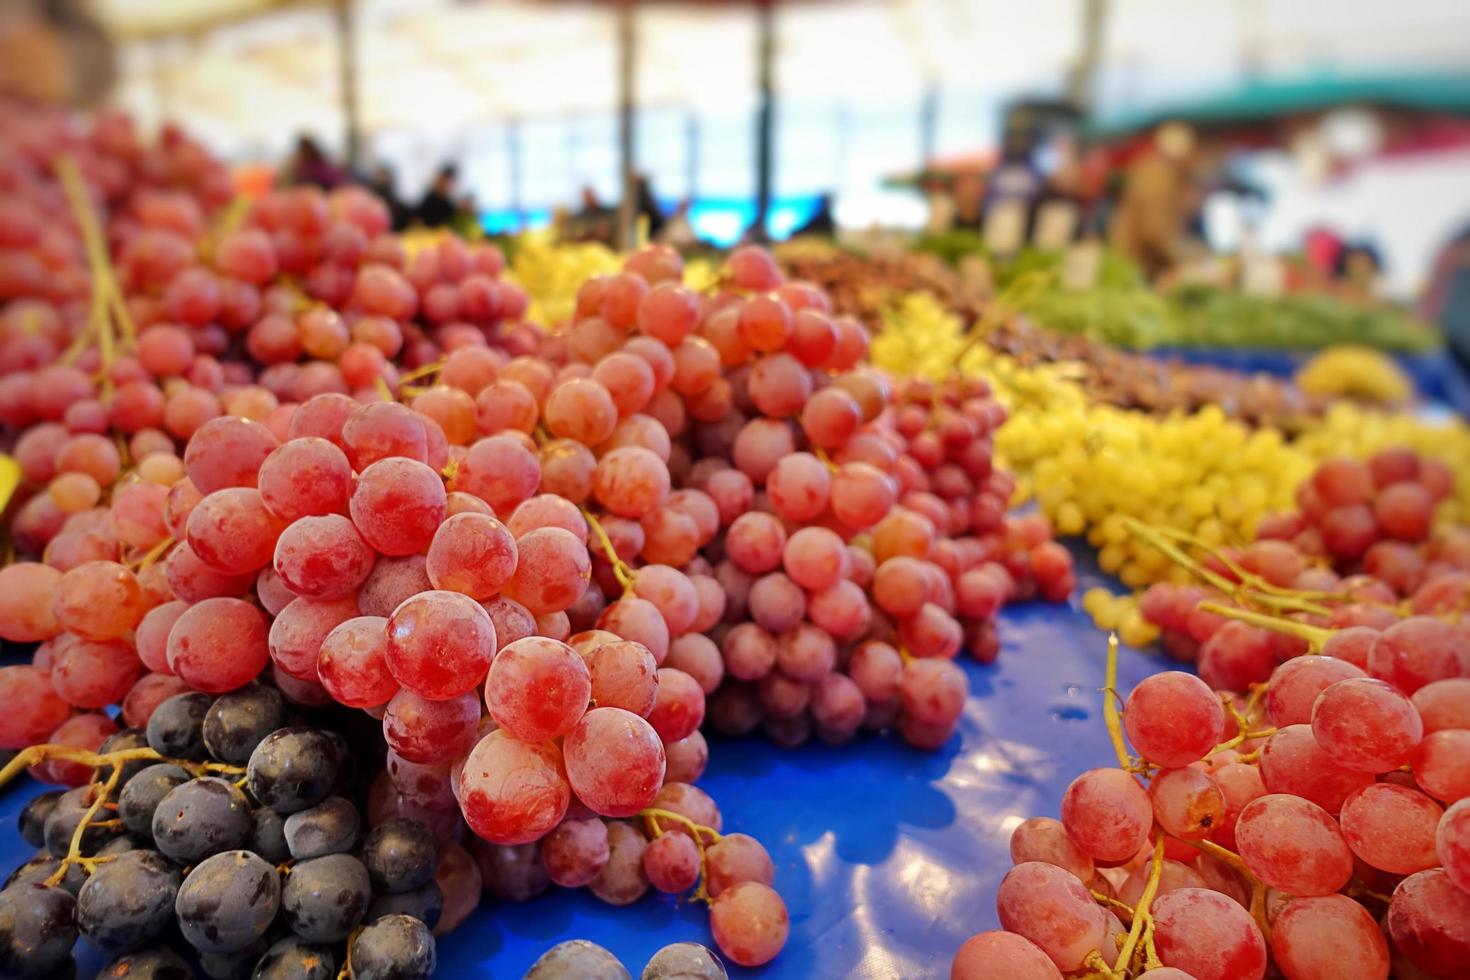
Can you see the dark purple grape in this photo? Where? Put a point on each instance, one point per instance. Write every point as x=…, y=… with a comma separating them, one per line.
x=228, y=902
x=176, y=727
x=139, y=798
x=42, y=866
x=268, y=835
x=684, y=961
x=401, y=855
x=148, y=964
x=38, y=927
x=202, y=817
x=425, y=904
x=511, y=872
x=397, y=947
x=33, y=817
x=234, y=966
x=63, y=820
x=129, y=900
x=326, y=897
x=237, y=722
x=577, y=959
x=293, y=958
x=128, y=738
x=123, y=845
x=330, y=827
x=292, y=769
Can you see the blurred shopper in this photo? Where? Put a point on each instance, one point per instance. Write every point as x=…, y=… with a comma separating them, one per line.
x=54, y=52
x=592, y=222
x=309, y=164
x=440, y=205
x=645, y=206
x=678, y=230
x=383, y=184
x=1152, y=218
x=821, y=222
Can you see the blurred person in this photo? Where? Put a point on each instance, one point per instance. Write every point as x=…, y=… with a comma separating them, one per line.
x=383, y=184
x=440, y=205
x=1357, y=270
x=309, y=164
x=1151, y=221
x=593, y=221
x=821, y=221
x=645, y=206
x=967, y=201
x=54, y=52
x=678, y=231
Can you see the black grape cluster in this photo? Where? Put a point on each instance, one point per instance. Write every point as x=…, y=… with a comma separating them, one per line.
x=243, y=849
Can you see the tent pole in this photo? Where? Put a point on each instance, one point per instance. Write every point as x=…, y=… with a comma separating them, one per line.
x=765, y=56
x=1082, y=79
x=345, y=21
x=627, y=42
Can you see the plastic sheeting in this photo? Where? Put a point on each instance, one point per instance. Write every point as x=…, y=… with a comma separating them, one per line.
x=888, y=858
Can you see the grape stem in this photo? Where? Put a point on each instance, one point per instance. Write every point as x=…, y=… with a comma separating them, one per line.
x=652, y=815
x=150, y=557
x=101, y=792
x=1275, y=595
x=108, y=305
x=36, y=754
x=422, y=371
x=1258, y=889
x=1314, y=635
x=346, y=972
x=1111, y=717
x=826, y=460
x=1142, y=927
x=621, y=569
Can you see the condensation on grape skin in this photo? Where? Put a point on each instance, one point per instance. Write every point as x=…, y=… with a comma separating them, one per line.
x=615, y=761
x=513, y=792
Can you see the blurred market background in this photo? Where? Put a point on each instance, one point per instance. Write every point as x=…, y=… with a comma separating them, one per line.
x=1166, y=166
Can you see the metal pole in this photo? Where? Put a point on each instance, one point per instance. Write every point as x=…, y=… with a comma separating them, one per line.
x=627, y=41
x=691, y=156
x=765, y=56
x=928, y=123
x=513, y=151
x=1083, y=77
x=347, y=63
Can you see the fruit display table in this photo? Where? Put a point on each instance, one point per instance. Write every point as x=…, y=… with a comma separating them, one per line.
x=888, y=856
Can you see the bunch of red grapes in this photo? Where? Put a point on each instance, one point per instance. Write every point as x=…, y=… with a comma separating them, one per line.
x=270, y=447
x=1309, y=792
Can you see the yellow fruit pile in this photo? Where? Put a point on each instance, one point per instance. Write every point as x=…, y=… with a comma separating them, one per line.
x=552, y=272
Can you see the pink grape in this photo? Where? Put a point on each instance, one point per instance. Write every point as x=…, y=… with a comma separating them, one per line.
x=1045, y=839
x=575, y=852
x=685, y=760
x=1366, y=725
x=1312, y=938
x=814, y=557
x=552, y=570
x=1417, y=651
x=218, y=645
x=1107, y=815
x=151, y=637
x=1441, y=764
x=427, y=731
x=398, y=505
x=381, y=430
x=996, y=954
x=192, y=580
x=1296, y=684
x=94, y=674
x=1187, y=803
x=672, y=862
x=323, y=557
x=33, y=708
x=546, y=510
x=933, y=691
x=1392, y=828
x=352, y=663
x=625, y=675
x=799, y=485
x=679, y=706
x=440, y=644
x=631, y=481
x=671, y=592
x=391, y=581
x=232, y=531
x=227, y=452
x=26, y=592
x=1452, y=843
x=306, y=477
x=1292, y=762
x=1052, y=909
x=473, y=554
x=1208, y=936
x=1429, y=921
x=621, y=881
x=750, y=923
x=98, y=600
x=1443, y=704
x=513, y=792
x=638, y=620
x=1173, y=719
x=1294, y=845
x=614, y=761
x=538, y=688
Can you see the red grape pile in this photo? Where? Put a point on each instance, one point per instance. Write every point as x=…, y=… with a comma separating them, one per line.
x=267, y=449
x=1304, y=803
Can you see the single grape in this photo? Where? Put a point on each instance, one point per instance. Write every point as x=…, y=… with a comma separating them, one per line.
x=1208, y=936
x=1107, y=814
x=292, y=769
x=998, y=953
x=1366, y=725
x=176, y=729
x=622, y=880
x=330, y=827
x=219, y=645
x=324, y=898
x=228, y=902
x=1294, y=845
x=128, y=901
x=293, y=958
x=396, y=947
x=37, y=929
x=199, y=818
x=440, y=644
x=513, y=792
x=1427, y=918
x=538, y=688
x=425, y=904
x=1173, y=719
x=237, y=722
x=427, y=731
x=577, y=959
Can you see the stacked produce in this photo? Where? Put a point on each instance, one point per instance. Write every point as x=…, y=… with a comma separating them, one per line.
x=1309, y=816
x=275, y=454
